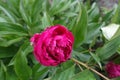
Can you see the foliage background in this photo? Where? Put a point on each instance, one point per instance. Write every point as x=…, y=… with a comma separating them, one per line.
x=20, y=19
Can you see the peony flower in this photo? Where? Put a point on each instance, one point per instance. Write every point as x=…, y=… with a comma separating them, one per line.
x=53, y=46
x=113, y=70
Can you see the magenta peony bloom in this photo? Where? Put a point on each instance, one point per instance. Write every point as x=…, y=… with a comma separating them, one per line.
x=53, y=46
x=113, y=70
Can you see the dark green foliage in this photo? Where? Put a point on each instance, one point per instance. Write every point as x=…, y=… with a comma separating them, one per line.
x=20, y=19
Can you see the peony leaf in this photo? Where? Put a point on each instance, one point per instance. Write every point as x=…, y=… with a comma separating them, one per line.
x=59, y=6
x=2, y=70
x=10, y=28
x=81, y=56
x=22, y=69
x=6, y=52
x=35, y=11
x=109, y=15
x=65, y=72
x=39, y=71
x=24, y=13
x=80, y=29
x=2, y=19
x=108, y=49
x=84, y=75
x=96, y=58
x=46, y=21
x=7, y=42
x=92, y=31
x=115, y=18
x=10, y=74
x=6, y=10
x=118, y=50
x=94, y=13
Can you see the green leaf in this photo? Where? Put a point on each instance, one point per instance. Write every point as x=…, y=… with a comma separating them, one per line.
x=59, y=6
x=22, y=69
x=108, y=49
x=9, y=28
x=81, y=56
x=65, y=72
x=6, y=52
x=46, y=21
x=94, y=13
x=37, y=7
x=108, y=15
x=118, y=50
x=10, y=74
x=2, y=71
x=93, y=30
x=24, y=13
x=115, y=18
x=7, y=11
x=13, y=7
x=26, y=48
x=84, y=75
x=2, y=19
x=80, y=29
x=8, y=42
x=39, y=72
x=7, y=73
x=96, y=58
x=71, y=24
x=88, y=4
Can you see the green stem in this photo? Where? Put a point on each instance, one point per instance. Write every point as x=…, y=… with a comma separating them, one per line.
x=80, y=67
x=83, y=64
x=84, y=51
